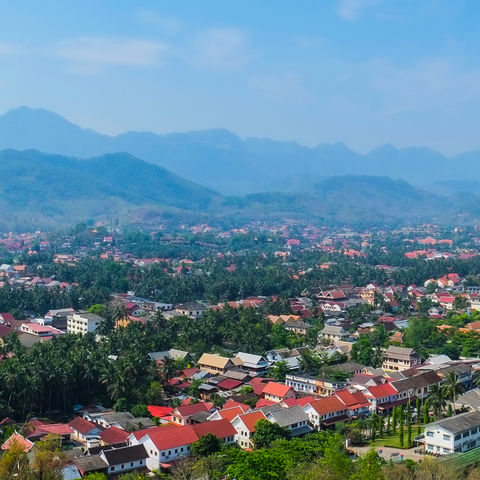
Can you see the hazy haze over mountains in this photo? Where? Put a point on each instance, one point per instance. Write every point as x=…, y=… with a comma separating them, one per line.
x=221, y=160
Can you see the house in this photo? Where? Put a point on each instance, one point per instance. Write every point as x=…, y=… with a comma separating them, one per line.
x=244, y=425
x=380, y=396
x=291, y=357
x=276, y=392
x=332, y=333
x=123, y=420
x=459, y=433
x=169, y=443
x=313, y=385
x=417, y=386
x=355, y=401
x=17, y=439
x=183, y=415
x=40, y=330
x=164, y=444
x=113, y=436
x=124, y=459
x=325, y=411
x=85, y=432
x=252, y=363
x=82, y=323
x=214, y=364
x=400, y=358
x=293, y=418
x=191, y=309
x=299, y=328
x=173, y=353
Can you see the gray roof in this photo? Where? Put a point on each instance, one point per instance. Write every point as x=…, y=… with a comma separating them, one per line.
x=252, y=360
x=131, y=453
x=349, y=367
x=418, y=381
x=112, y=417
x=333, y=330
x=90, y=463
x=287, y=416
x=469, y=399
x=172, y=353
x=400, y=353
x=458, y=423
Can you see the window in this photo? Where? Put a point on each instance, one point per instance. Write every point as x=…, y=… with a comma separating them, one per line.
x=123, y=466
x=473, y=431
x=429, y=434
x=458, y=437
x=465, y=434
x=131, y=464
x=141, y=462
x=112, y=469
x=447, y=437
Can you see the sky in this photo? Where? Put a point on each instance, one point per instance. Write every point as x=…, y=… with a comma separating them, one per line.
x=362, y=72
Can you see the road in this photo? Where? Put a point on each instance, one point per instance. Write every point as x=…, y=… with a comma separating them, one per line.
x=385, y=452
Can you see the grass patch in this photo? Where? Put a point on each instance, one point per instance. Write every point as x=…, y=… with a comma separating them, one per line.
x=393, y=439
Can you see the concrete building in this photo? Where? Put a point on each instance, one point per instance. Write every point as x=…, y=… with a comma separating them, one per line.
x=82, y=323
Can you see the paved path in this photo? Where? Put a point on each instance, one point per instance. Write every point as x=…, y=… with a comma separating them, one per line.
x=385, y=452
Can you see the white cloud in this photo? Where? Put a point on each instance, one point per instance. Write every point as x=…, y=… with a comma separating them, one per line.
x=221, y=49
x=167, y=24
x=351, y=9
x=96, y=53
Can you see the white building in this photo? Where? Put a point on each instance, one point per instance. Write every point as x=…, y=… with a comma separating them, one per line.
x=460, y=433
x=82, y=323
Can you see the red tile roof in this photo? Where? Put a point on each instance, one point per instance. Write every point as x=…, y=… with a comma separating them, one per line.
x=229, y=384
x=382, y=391
x=352, y=399
x=232, y=403
x=158, y=411
x=16, y=438
x=220, y=428
x=81, y=425
x=231, y=413
x=276, y=389
x=113, y=435
x=189, y=410
x=262, y=402
x=4, y=330
x=170, y=436
x=250, y=419
x=258, y=384
x=324, y=406
x=302, y=401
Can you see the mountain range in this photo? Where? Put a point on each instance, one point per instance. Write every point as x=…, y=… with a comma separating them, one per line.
x=55, y=174
x=49, y=191
x=221, y=160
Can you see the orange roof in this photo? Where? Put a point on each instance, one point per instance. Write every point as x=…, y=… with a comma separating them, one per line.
x=276, y=389
x=251, y=419
x=230, y=413
x=324, y=406
x=16, y=438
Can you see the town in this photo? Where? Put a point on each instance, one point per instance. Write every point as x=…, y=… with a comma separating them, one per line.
x=205, y=348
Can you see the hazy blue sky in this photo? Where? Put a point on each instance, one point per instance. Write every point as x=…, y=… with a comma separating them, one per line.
x=364, y=72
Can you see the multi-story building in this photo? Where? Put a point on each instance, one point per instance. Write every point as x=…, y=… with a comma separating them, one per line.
x=313, y=385
x=459, y=433
x=400, y=358
x=82, y=323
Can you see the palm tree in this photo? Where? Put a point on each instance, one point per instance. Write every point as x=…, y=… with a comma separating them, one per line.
x=452, y=387
x=437, y=400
